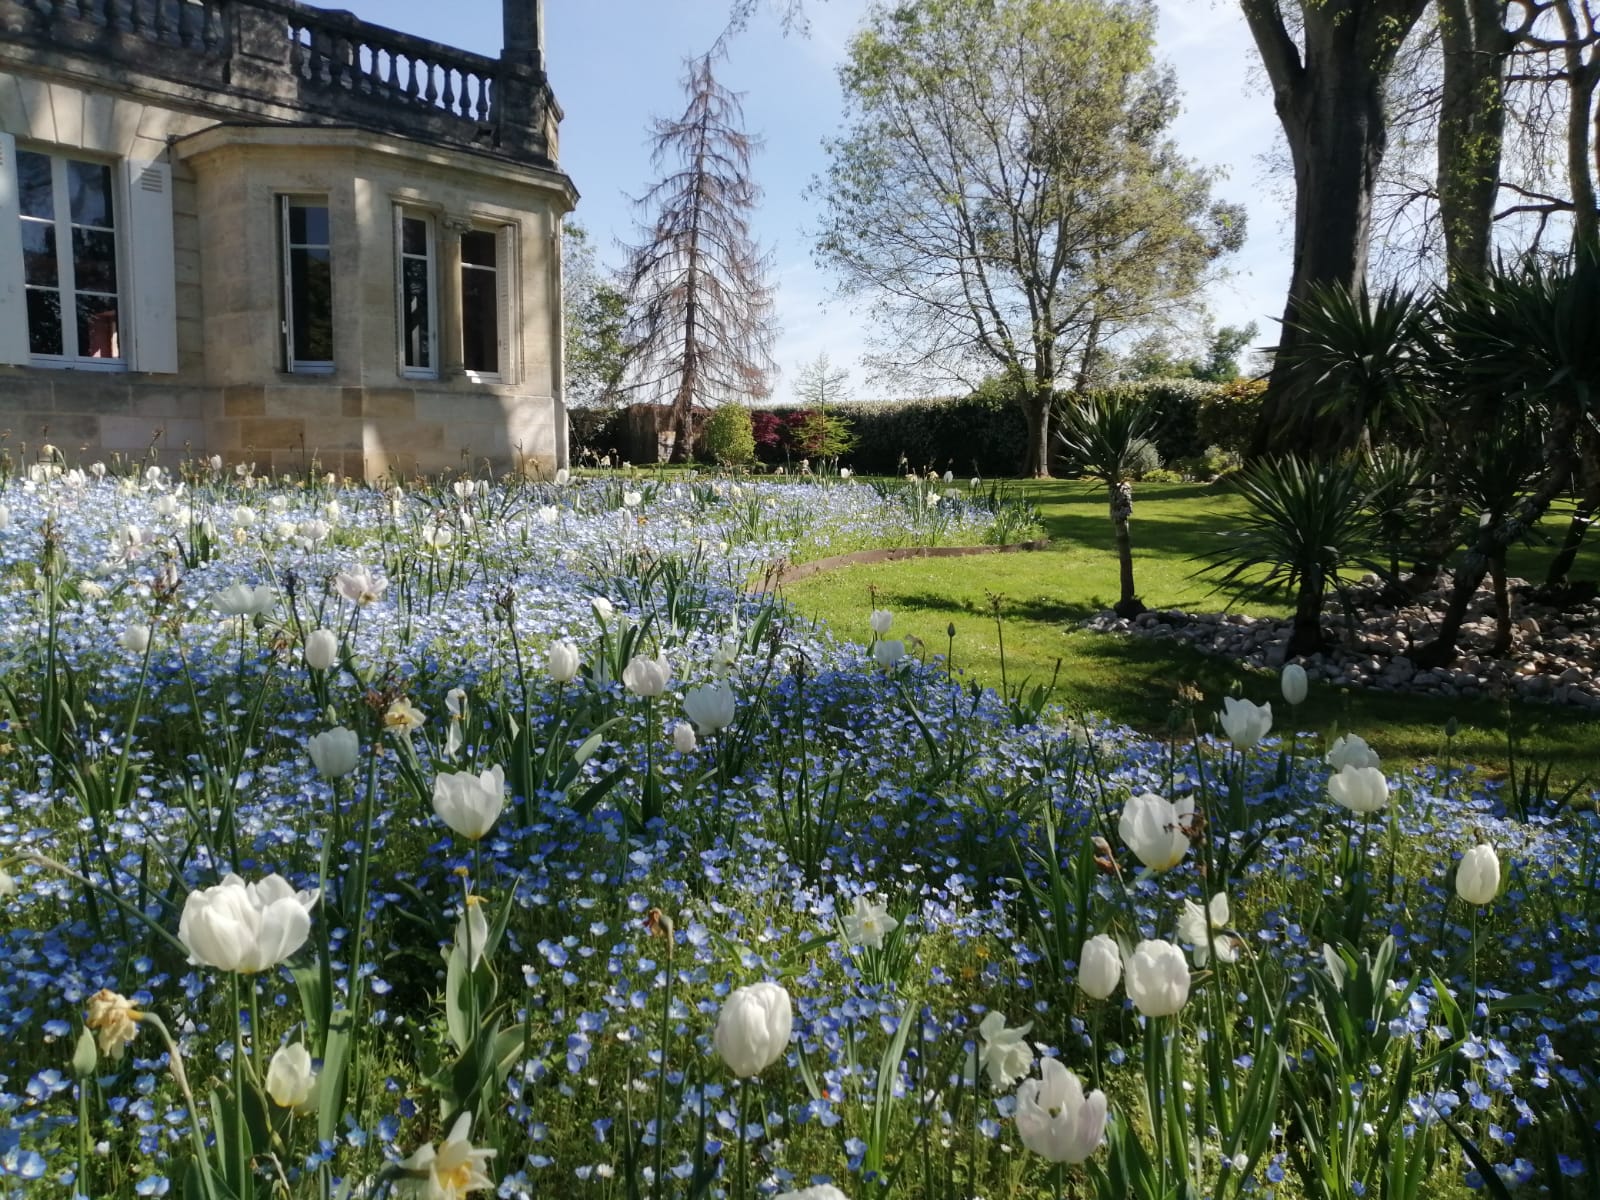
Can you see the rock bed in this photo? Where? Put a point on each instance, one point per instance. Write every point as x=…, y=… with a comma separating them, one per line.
x=1555, y=654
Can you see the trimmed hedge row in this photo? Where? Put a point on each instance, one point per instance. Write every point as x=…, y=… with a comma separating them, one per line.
x=981, y=434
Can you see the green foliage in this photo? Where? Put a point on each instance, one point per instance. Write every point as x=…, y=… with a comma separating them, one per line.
x=728, y=436
x=1228, y=413
x=596, y=352
x=1104, y=433
x=982, y=434
x=824, y=435
x=1007, y=189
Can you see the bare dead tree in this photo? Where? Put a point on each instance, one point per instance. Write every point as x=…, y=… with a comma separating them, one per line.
x=700, y=310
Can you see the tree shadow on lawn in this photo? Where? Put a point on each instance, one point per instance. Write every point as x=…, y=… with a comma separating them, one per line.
x=1037, y=608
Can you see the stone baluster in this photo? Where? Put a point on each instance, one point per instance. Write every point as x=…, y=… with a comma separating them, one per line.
x=448, y=99
x=121, y=16
x=213, y=34
x=431, y=96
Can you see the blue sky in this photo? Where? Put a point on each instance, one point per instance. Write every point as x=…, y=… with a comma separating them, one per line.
x=614, y=64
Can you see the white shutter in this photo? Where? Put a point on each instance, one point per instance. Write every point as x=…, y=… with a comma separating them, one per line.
x=13, y=300
x=150, y=295
x=509, y=323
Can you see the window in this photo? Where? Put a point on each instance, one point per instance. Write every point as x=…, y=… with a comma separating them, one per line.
x=69, y=261
x=308, y=286
x=418, y=313
x=480, y=304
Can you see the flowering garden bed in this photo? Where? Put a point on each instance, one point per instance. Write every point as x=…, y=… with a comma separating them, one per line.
x=494, y=838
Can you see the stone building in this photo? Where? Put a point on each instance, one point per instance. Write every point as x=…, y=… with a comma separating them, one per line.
x=277, y=233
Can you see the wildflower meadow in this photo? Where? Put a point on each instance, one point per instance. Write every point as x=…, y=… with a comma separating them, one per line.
x=511, y=838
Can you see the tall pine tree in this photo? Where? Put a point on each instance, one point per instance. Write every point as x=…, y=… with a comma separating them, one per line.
x=700, y=309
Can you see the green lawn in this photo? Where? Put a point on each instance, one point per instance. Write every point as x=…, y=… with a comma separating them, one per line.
x=1135, y=680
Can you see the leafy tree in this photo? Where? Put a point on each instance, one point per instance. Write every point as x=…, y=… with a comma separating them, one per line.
x=1153, y=357
x=699, y=320
x=729, y=436
x=820, y=383
x=1006, y=193
x=595, y=317
x=1328, y=62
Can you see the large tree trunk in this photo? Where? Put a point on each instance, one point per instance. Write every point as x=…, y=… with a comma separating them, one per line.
x=1329, y=98
x=1472, y=120
x=1036, y=458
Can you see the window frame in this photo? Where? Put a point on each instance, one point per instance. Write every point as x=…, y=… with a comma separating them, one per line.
x=402, y=213
x=66, y=270
x=286, y=202
x=500, y=292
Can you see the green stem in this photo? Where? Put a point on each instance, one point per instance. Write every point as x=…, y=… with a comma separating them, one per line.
x=661, y=1072
x=240, y=1144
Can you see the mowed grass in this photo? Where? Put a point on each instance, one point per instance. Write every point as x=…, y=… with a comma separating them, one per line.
x=1135, y=680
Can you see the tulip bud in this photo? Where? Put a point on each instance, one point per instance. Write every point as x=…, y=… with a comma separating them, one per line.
x=334, y=752
x=1245, y=723
x=753, y=1028
x=1294, y=683
x=683, y=739
x=562, y=661
x=322, y=649
x=1099, y=967
x=710, y=707
x=291, y=1081
x=135, y=639
x=1360, y=789
x=880, y=621
x=1157, y=978
x=647, y=677
x=1478, y=875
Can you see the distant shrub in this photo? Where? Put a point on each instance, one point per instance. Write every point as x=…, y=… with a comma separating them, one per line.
x=1162, y=475
x=729, y=436
x=1228, y=415
x=767, y=427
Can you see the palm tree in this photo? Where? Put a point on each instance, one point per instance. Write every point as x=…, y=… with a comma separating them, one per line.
x=1104, y=432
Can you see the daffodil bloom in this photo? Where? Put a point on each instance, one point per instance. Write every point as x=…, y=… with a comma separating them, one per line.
x=867, y=924
x=402, y=717
x=450, y=1171
x=1192, y=929
x=114, y=1020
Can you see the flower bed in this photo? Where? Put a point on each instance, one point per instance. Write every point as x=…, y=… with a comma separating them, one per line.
x=495, y=838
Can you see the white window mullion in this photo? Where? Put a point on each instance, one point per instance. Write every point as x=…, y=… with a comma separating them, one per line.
x=64, y=270
x=287, y=275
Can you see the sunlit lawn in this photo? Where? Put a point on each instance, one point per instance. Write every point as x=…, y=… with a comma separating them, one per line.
x=1045, y=594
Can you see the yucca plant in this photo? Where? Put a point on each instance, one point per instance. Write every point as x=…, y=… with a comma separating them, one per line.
x=1308, y=524
x=1106, y=433
x=1397, y=482
x=1518, y=346
x=1363, y=362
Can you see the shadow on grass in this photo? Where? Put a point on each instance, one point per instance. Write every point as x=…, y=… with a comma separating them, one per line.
x=1037, y=609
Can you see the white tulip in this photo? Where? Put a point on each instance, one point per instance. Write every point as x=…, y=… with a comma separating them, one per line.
x=470, y=804
x=1294, y=683
x=1360, y=789
x=242, y=600
x=245, y=927
x=322, y=649
x=8, y=885
x=710, y=707
x=888, y=653
x=1155, y=830
x=753, y=1028
x=437, y=537
x=647, y=677
x=1244, y=723
x=1478, y=875
x=548, y=513
x=561, y=661
x=632, y=499
x=880, y=621
x=5, y=517
x=90, y=590
x=1055, y=1119
x=313, y=532
x=1351, y=750
x=602, y=607
x=1157, y=978
x=563, y=476
x=818, y=1191
x=1099, y=966
x=291, y=1080
x=334, y=752
x=683, y=739
x=359, y=586
x=135, y=639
